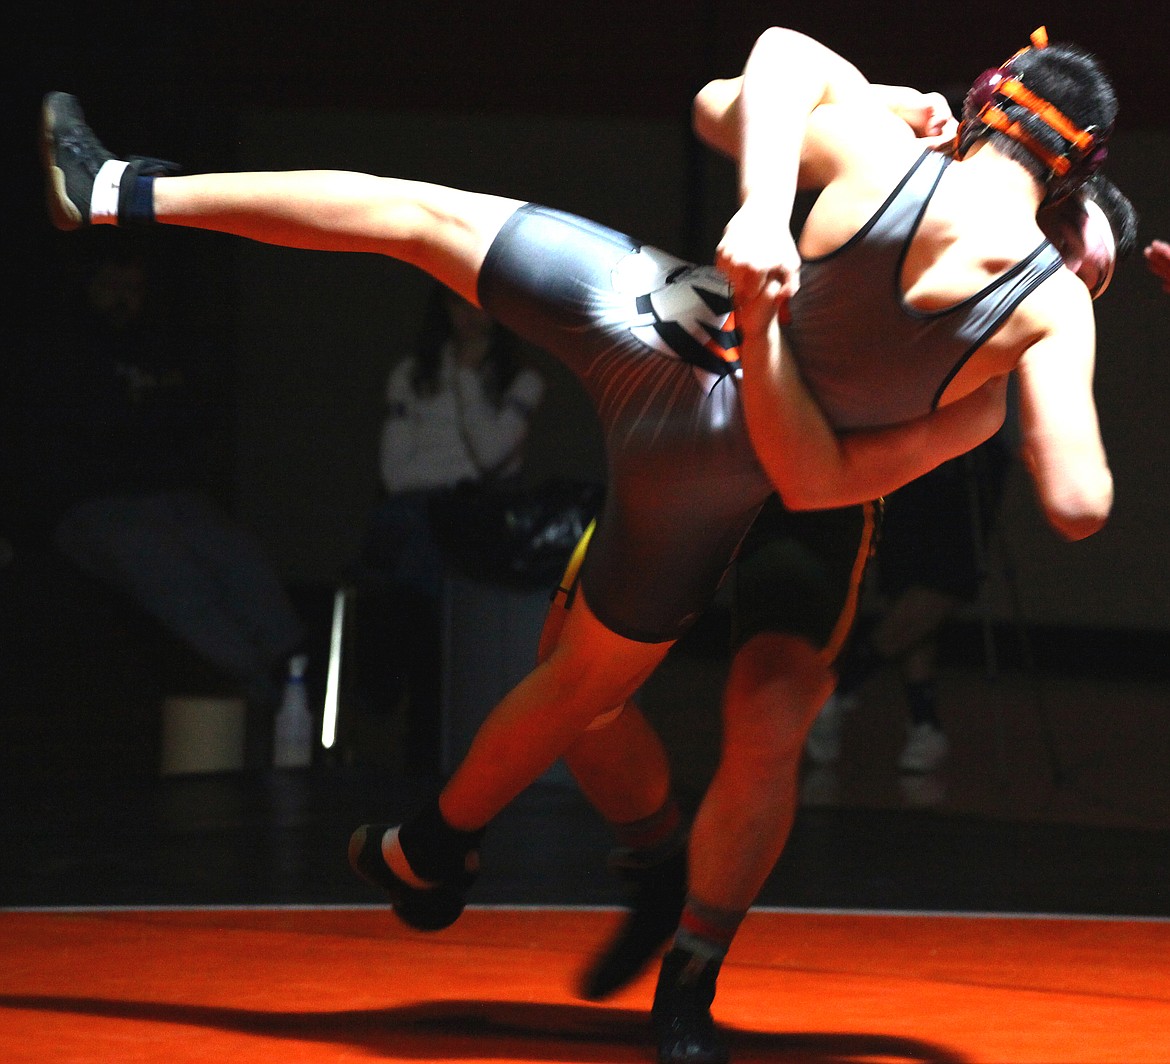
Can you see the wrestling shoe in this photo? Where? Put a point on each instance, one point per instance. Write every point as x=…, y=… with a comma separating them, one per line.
x=681, y=1012
x=431, y=909
x=74, y=159
x=657, y=894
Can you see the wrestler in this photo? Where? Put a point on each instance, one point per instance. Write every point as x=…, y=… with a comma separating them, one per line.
x=1157, y=256
x=616, y=313
x=793, y=576
x=796, y=575
x=745, y=817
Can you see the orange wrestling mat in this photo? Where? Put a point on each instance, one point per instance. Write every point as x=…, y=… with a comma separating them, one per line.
x=317, y=985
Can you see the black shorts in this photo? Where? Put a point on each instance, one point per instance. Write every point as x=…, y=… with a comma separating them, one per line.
x=801, y=573
x=935, y=527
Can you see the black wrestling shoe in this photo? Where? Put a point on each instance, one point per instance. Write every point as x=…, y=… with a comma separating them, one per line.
x=681, y=1012
x=658, y=892
x=73, y=157
x=425, y=910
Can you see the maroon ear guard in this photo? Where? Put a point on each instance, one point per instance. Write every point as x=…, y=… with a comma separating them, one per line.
x=981, y=94
x=984, y=107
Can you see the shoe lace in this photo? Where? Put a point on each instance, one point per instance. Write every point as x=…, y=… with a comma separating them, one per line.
x=81, y=143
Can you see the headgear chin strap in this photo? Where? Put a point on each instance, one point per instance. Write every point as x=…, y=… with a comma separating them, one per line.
x=983, y=108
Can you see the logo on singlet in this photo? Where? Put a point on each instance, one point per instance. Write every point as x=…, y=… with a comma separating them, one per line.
x=687, y=313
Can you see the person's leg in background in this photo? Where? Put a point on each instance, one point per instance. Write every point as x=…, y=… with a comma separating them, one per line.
x=930, y=563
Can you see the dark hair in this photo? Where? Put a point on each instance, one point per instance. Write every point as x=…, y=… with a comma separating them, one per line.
x=499, y=367
x=1117, y=208
x=1072, y=81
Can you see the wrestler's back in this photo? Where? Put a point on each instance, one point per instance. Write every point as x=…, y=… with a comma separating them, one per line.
x=969, y=235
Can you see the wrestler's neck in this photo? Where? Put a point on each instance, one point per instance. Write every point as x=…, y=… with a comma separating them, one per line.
x=987, y=169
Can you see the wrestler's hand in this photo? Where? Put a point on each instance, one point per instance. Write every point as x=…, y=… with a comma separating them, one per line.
x=930, y=117
x=927, y=113
x=758, y=256
x=1158, y=260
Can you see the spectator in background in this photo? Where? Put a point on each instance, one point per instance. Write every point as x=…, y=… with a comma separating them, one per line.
x=458, y=413
x=930, y=563
x=118, y=405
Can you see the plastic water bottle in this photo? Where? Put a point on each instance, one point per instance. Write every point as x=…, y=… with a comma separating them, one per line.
x=293, y=739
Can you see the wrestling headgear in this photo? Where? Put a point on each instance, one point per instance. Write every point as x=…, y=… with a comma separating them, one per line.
x=1000, y=100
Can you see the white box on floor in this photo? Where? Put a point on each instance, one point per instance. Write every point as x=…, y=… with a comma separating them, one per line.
x=202, y=734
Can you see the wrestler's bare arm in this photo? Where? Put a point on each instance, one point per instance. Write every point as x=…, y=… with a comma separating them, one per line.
x=715, y=115
x=1061, y=438
x=812, y=466
x=717, y=112
x=786, y=77
x=716, y=120
x=787, y=141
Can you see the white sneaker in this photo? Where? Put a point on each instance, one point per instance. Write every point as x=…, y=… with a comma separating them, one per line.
x=822, y=746
x=926, y=749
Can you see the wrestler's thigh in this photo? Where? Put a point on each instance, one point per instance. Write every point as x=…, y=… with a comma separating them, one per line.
x=591, y=656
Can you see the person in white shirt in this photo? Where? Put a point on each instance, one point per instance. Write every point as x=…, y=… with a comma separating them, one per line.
x=459, y=409
x=458, y=413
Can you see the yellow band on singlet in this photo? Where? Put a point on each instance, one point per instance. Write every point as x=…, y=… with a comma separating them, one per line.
x=849, y=613
x=564, y=589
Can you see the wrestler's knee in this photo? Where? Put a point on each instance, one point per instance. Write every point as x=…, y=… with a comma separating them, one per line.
x=776, y=685
x=593, y=684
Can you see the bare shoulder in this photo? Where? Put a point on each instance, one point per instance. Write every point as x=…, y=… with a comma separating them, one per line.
x=1055, y=330
x=859, y=138
x=1061, y=306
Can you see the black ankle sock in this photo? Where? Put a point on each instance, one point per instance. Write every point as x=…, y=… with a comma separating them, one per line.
x=434, y=850
x=651, y=839
x=135, y=199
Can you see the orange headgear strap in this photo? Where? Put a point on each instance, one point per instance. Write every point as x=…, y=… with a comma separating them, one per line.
x=1001, y=82
x=1039, y=39
x=1015, y=90
x=995, y=118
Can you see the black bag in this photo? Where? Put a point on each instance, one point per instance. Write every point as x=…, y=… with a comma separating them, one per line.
x=516, y=537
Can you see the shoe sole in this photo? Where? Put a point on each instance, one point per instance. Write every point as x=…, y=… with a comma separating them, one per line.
x=63, y=212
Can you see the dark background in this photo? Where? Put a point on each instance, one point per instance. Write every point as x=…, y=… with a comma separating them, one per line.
x=173, y=76
x=229, y=85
